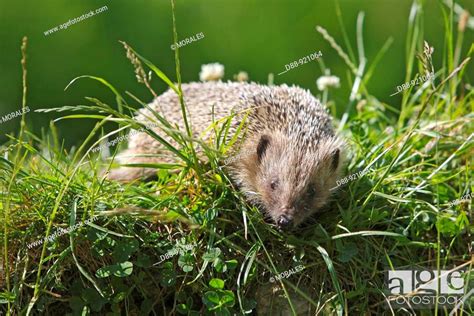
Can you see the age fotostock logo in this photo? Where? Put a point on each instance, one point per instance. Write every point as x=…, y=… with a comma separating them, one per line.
x=419, y=289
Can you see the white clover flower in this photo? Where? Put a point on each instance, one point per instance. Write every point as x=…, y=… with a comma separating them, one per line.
x=211, y=72
x=325, y=82
x=242, y=76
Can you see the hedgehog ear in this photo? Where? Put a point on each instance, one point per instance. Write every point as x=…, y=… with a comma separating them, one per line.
x=262, y=146
x=335, y=159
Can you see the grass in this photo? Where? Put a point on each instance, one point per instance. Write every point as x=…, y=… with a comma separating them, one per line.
x=221, y=252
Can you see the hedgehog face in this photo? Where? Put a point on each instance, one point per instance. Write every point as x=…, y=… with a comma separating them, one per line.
x=291, y=182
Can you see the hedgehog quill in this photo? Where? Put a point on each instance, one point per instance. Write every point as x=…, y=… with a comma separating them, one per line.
x=292, y=155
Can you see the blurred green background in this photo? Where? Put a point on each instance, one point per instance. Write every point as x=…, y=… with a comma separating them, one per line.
x=259, y=37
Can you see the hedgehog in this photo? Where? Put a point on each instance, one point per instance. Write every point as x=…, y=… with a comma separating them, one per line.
x=286, y=162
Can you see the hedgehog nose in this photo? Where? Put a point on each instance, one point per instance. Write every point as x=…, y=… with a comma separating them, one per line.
x=284, y=222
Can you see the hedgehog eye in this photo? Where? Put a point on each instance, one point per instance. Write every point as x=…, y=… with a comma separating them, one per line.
x=311, y=191
x=274, y=184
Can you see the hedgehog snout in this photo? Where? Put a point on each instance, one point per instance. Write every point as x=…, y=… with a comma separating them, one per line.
x=285, y=219
x=284, y=222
